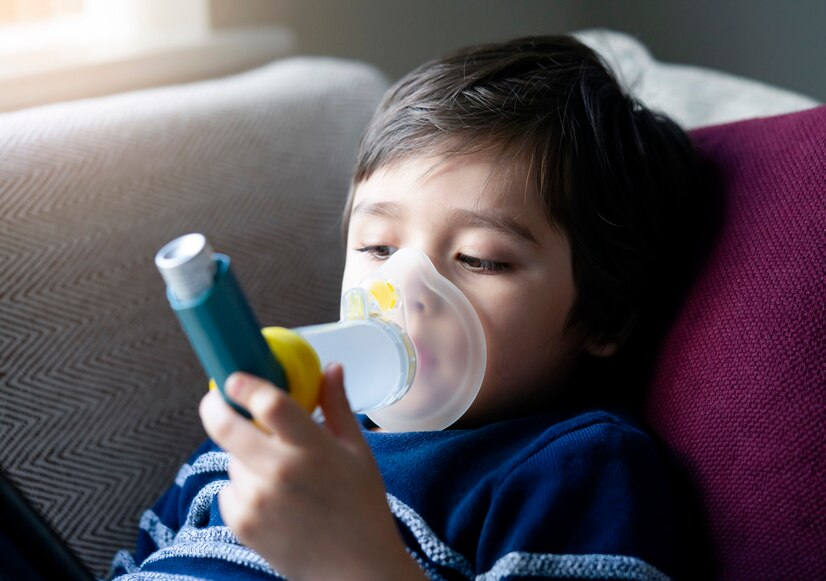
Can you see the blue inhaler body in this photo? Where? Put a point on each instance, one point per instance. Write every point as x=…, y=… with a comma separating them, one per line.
x=215, y=314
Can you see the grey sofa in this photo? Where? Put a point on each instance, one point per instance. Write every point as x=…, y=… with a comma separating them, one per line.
x=99, y=387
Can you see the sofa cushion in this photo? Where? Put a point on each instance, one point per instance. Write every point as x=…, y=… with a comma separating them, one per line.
x=739, y=392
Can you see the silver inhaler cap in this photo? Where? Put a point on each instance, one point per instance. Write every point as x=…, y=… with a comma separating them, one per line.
x=450, y=347
x=187, y=266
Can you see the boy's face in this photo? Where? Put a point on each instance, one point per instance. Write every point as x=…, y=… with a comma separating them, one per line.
x=490, y=238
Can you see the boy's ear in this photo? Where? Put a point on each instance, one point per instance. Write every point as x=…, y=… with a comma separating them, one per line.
x=607, y=344
x=600, y=349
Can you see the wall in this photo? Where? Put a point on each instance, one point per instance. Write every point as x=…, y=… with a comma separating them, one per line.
x=781, y=43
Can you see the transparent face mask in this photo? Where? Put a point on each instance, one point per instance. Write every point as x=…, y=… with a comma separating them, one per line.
x=447, y=336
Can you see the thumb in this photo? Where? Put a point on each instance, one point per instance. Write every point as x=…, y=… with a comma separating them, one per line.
x=338, y=417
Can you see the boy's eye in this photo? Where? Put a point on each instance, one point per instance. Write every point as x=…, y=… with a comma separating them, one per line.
x=378, y=251
x=481, y=265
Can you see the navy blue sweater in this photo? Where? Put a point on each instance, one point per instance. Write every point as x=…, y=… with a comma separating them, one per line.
x=583, y=496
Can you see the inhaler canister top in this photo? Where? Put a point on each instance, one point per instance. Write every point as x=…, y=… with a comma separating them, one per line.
x=187, y=266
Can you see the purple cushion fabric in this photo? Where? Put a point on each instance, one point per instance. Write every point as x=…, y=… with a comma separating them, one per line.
x=739, y=391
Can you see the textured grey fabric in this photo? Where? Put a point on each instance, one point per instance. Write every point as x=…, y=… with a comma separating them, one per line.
x=99, y=387
x=692, y=96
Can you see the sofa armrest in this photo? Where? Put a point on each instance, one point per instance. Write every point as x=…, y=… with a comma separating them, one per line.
x=100, y=387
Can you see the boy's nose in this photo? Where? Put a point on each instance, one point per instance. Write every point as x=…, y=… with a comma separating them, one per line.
x=423, y=301
x=419, y=306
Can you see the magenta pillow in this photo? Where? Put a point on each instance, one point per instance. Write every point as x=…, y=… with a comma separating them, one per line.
x=739, y=391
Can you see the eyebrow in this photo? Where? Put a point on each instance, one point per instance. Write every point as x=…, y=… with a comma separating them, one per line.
x=392, y=210
x=493, y=221
x=467, y=218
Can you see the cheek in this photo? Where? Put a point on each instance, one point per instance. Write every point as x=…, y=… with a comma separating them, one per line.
x=356, y=268
x=525, y=345
x=350, y=275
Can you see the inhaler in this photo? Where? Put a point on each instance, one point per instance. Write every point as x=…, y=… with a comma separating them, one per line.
x=411, y=344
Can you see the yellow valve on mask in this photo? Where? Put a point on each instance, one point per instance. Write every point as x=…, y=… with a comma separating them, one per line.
x=385, y=295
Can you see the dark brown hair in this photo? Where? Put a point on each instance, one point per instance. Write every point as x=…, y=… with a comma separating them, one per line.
x=616, y=178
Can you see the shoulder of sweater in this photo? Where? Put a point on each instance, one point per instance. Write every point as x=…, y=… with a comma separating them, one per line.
x=598, y=421
x=584, y=433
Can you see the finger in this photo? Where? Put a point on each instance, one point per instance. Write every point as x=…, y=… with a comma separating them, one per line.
x=231, y=507
x=338, y=417
x=246, y=480
x=272, y=408
x=233, y=432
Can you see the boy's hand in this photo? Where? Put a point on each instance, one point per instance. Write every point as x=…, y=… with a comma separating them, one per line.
x=307, y=497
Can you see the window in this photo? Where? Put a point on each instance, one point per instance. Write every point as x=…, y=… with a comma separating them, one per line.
x=25, y=11
x=54, y=50
x=31, y=26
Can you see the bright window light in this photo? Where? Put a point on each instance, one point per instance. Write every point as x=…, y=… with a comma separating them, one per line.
x=58, y=50
x=30, y=29
x=23, y=11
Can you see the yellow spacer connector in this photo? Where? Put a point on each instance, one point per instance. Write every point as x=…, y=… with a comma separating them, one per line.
x=385, y=294
x=300, y=362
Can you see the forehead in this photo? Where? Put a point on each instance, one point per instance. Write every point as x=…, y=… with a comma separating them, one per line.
x=473, y=182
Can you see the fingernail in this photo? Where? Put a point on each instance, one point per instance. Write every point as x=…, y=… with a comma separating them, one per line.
x=234, y=385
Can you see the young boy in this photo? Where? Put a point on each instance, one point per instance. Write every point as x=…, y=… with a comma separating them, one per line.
x=559, y=206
